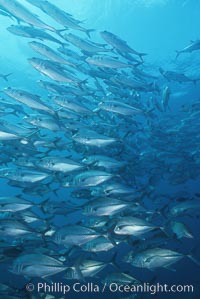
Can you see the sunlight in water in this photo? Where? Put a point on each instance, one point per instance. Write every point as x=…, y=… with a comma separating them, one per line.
x=149, y=3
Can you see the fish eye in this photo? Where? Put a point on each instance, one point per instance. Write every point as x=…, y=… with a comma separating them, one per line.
x=118, y=228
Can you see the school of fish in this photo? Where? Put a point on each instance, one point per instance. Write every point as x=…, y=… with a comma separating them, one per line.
x=87, y=155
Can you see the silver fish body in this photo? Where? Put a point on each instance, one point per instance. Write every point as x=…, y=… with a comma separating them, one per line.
x=21, y=13
x=31, y=100
x=154, y=258
x=36, y=265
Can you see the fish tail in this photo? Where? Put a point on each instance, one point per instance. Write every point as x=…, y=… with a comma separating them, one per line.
x=193, y=259
x=195, y=81
x=141, y=56
x=81, y=83
x=177, y=54
x=113, y=261
x=163, y=229
x=5, y=77
x=44, y=202
x=137, y=64
x=89, y=31
x=163, y=211
x=59, y=31
x=64, y=45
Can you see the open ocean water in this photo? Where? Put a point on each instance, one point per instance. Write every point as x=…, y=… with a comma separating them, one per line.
x=99, y=149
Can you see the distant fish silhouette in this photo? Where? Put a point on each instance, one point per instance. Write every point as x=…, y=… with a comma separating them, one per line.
x=5, y=77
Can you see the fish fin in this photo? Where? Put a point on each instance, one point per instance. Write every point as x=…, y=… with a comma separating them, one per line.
x=49, y=280
x=113, y=261
x=82, y=82
x=5, y=77
x=163, y=211
x=18, y=20
x=42, y=205
x=64, y=44
x=58, y=31
x=193, y=259
x=177, y=54
x=163, y=229
x=195, y=81
x=88, y=31
x=55, y=191
x=77, y=267
x=99, y=44
x=96, y=110
x=136, y=64
x=169, y=268
x=141, y=56
x=153, y=269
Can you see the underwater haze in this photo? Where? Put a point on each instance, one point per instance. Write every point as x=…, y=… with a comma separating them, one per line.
x=99, y=140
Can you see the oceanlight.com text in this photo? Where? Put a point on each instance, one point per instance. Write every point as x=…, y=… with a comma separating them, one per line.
x=78, y=287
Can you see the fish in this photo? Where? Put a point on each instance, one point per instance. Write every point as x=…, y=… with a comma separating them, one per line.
x=42, y=121
x=119, y=44
x=90, y=268
x=23, y=175
x=155, y=258
x=166, y=97
x=36, y=265
x=89, y=135
x=52, y=87
x=31, y=32
x=98, y=245
x=119, y=108
x=88, y=179
x=59, y=15
x=14, y=204
x=132, y=226
x=14, y=228
x=113, y=189
x=5, y=14
x=70, y=53
x=104, y=207
x=193, y=46
x=5, y=77
x=120, y=278
x=108, y=62
x=5, y=136
x=25, y=162
x=86, y=46
x=48, y=52
x=21, y=13
x=74, y=235
x=71, y=104
x=31, y=100
x=175, y=76
x=59, y=164
x=91, y=138
x=180, y=230
x=53, y=71
x=31, y=218
x=185, y=207
x=95, y=221
x=133, y=83
x=103, y=162
x=85, y=268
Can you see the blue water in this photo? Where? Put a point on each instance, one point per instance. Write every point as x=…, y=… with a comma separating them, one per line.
x=158, y=28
